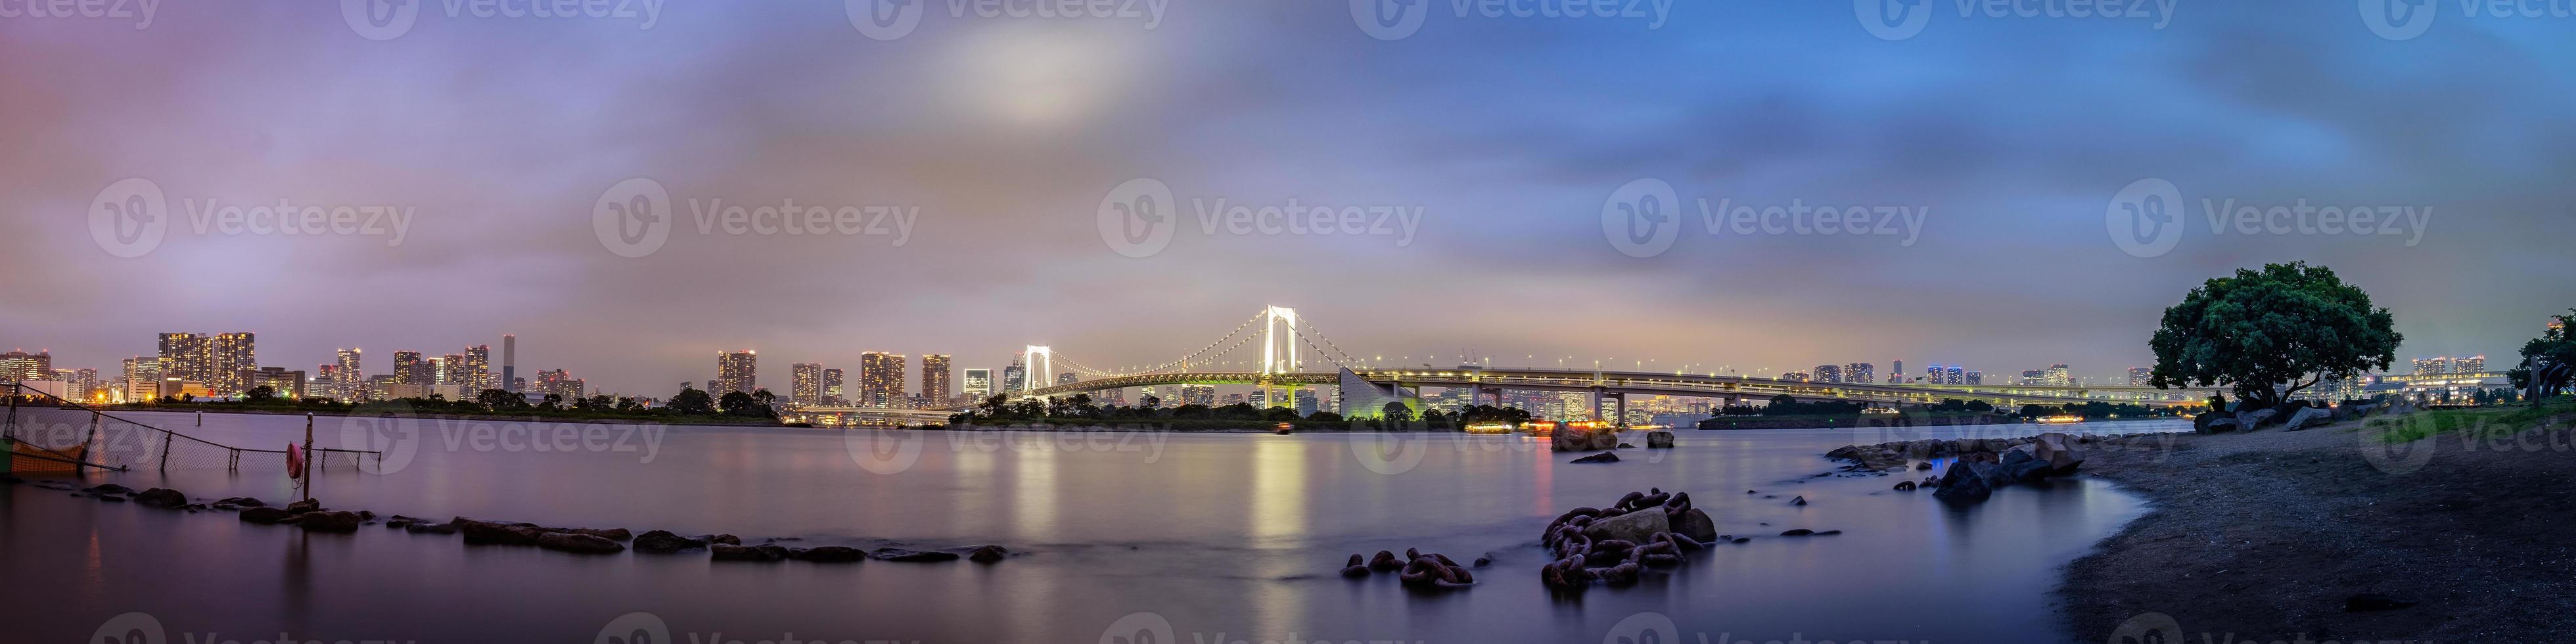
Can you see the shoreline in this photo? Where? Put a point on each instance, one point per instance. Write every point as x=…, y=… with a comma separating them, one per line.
x=2272, y=535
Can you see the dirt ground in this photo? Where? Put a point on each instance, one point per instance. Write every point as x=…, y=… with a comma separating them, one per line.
x=2263, y=536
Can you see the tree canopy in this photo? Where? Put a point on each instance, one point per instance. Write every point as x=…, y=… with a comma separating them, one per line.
x=2557, y=346
x=2268, y=334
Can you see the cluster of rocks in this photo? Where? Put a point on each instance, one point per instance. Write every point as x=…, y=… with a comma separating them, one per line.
x=1578, y=439
x=2292, y=416
x=1981, y=465
x=1433, y=571
x=1615, y=545
x=309, y=515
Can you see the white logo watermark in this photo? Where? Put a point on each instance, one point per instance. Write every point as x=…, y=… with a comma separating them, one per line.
x=1400, y=19
x=382, y=20
x=2147, y=218
x=635, y=217
x=138, y=11
x=1905, y=19
x=132, y=217
x=1644, y=217
x=1138, y=218
x=894, y=19
x=2409, y=19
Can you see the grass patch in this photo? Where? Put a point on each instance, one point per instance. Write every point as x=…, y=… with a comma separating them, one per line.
x=2436, y=422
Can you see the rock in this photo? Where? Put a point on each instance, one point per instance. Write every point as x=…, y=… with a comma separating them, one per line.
x=1633, y=527
x=242, y=501
x=733, y=552
x=111, y=498
x=574, y=542
x=612, y=534
x=329, y=521
x=1923, y=465
x=161, y=497
x=427, y=528
x=1963, y=483
x=1357, y=568
x=990, y=554
x=1385, y=562
x=2019, y=454
x=109, y=488
x=2058, y=451
x=1905, y=486
x=2213, y=422
x=262, y=515
x=2251, y=420
x=2031, y=471
x=724, y=539
x=1569, y=439
x=1694, y=524
x=1604, y=457
x=1799, y=532
x=1798, y=501
x=828, y=554
x=1659, y=440
x=486, y=532
x=2367, y=602
x=307, y=505
x=1486, y=560
x=912, y=556
x=663, y=541
x=2307, y=417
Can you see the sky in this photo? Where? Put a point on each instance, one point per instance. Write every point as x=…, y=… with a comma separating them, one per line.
x=1523, y=186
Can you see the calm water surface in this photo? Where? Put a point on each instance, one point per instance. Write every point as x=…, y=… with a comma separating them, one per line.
x=1226, y=538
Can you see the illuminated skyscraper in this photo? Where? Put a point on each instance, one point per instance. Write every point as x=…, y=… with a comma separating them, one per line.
x=2141, y=376
x=1860, y=372
x=349, y=377
x=410, y=370
x=805, y=383
x=1896, y=373
x=1827, y=373
x=20, y=365
x=2034, y=377
x=2432, y=366
x=735, y=371
x=2060, y=376
x=1956, y=375
x=478, y=370
x=510, y=362
x=1976, y=377
x=881, y=379
x=937, y=384
x=1015, y=378
x=979, y=384
x=832, y=393
x=2469, y=365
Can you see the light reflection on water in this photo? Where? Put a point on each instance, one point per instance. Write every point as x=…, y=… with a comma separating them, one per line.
x=1238, y=534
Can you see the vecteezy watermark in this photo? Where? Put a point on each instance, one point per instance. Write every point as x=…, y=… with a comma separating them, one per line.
x=895, y=451
x=634, y=218
x=382, y=20
x=130, y=218
x=138, y=11
x=2147, y=219
x=143, y=628
x=2159, y=628
x=648, y=628
x=1903, y=19
x=2401, y=445
x=1138, y=218
x=1152, y=628
x=398, y=439
x=2408, y=19
x=893, y=19
x=1644, y=218
x=1400, y=19
x=1657, y=628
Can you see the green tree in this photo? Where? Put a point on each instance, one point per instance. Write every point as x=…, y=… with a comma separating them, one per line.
x=498, y=400
x=692, y=402
x=1395, y=412
x=2554, y=347
x=260, y=394
x=2271, y=333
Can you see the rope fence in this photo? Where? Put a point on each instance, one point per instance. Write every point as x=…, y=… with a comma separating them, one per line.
x=45, y=434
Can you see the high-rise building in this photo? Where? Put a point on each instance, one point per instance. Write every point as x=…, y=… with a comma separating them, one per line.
x=936, y=381
x=2034, y=377
x=21, y=365
x=1860, y=372
x=510, y=362
x=2060, y=376
x=2469, y=365
x=278, y=380
x=234, y=353
x=1796, y=376
x=979, y=384
x=832, y=394
x=1896, y=373
x=1198, y=395
x=1955, y=375
x=881, y=379
x=805, y=383
x=559, y=383
x=409, y=369
x=2141, y=376
x=1828, y=373
x=1015, y=378
x=349, y=376
x=735, y=371
x=451, y=370
x=217, y=360
x=1935, y=374
x=2432, y=366
x=478, y=370
x=1307, y=403
x=1976, y=377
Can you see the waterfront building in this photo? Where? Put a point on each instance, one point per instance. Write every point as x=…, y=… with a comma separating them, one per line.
x=478, y=369
x=832, y=392
x=735, y=371
x=1860, y=372
x=1896, y=373
x=936, y=380
x=1015, y=378
x=286, y=384
x=881, y=379
x=979, y=384
x=2060, y=375
x=20, y=365
x=806, y=383
x=348, y=376
x=1828, y=373
x=1976, y=377
x=409, y=370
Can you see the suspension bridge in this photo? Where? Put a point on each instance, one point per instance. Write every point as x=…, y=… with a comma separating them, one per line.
x=1292, y=353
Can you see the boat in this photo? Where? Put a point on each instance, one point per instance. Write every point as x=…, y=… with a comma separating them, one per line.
x=1540, y=428
x=2061, y=419
x=1488, y=427
x=1878, y=411
x=19, y=458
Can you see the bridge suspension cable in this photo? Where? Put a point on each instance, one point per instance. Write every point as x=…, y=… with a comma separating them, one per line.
x=1185, y=360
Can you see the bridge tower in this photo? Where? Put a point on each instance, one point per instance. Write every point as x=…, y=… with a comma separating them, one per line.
x=1040, y=362
x=1275, y=358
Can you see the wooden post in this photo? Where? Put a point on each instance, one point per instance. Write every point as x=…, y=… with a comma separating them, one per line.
x=165, y=449
x=308, y=456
